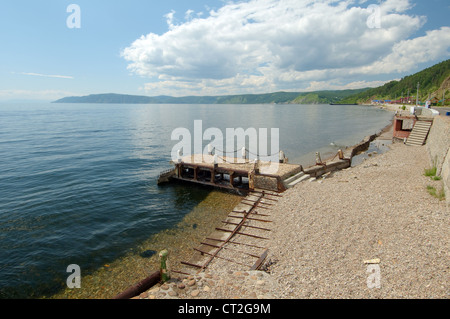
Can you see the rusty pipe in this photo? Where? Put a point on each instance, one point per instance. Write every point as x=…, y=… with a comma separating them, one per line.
x=140, y=287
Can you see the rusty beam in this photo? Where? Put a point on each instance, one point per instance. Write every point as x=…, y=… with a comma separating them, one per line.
x=259, y=262
x=189, y=264
x=140, y=287
x=255, y=213
x=265, y=193
x=254, y=201
x=234, y=242
x=231, y=223
x=250, y=218
x=236, y=232
x=233, y=232
x=255, y=205
x=220, y=257
x=242, y=252
x=272, y=199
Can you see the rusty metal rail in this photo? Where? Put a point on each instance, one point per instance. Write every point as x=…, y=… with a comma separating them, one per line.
x=250, y=215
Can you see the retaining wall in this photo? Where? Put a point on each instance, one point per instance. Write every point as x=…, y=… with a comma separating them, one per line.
x=438, y=147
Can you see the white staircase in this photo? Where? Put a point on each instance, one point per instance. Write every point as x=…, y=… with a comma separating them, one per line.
x=295, y=179
x=419, y=133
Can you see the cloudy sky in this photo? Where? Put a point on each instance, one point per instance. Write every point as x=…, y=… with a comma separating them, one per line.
x=213, y=47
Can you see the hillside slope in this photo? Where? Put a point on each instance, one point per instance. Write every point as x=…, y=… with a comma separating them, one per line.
x=432, y=82
x=320, y=97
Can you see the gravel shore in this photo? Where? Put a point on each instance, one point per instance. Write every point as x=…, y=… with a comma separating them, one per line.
x=379, y=209
x=323, y=232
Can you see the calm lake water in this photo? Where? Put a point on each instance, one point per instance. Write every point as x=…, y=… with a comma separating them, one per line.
x=78, y=181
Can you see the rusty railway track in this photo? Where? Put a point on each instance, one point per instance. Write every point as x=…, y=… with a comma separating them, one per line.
x=212, y=249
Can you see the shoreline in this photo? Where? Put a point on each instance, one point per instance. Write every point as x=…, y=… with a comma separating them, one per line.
x=125, y=278
x=383, y=131
x=152, y=263
x=224, y=273
x=324, y=232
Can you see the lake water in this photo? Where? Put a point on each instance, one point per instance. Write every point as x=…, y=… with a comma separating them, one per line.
x=78, y=181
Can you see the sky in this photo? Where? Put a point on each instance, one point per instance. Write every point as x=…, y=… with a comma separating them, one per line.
x=51, y=49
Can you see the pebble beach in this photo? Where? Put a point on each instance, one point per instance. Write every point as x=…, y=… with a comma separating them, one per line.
x=327, y=237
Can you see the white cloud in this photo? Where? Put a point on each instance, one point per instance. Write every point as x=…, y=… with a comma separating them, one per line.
x=265, y=45
x=47, y=75
x=407, y=54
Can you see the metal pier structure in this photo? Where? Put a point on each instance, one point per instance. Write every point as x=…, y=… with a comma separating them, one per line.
x=231, y=173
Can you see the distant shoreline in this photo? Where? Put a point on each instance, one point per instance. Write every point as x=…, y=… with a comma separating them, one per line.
x=315, y=97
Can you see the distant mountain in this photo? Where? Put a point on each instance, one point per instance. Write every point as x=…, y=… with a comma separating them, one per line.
x=433, y=82
x=319, y=97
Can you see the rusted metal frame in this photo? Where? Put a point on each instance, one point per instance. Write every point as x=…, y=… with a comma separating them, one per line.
x=249, y=202
x=255, y=213
x=196, y=173
x=251, y=226
x=257, y=206
x=235, y=231
x=265, y=193
x=260, y=260
x=235, y=243
x=254, y=201
x=239, y=233
x=232, y=179
x=239, y=251
x=270, y=199
x=190, y=264
x=208, y=167
x=250, y=218
x=205, y=183
x=220, y=257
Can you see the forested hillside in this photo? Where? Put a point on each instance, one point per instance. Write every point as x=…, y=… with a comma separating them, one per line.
x=429, y=81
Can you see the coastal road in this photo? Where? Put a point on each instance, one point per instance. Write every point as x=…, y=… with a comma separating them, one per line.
x=442, y=110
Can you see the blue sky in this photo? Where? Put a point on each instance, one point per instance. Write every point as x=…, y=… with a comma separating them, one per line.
x=214, y=47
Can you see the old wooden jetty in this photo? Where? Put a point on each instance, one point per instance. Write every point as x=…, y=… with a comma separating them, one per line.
x=231, y=173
